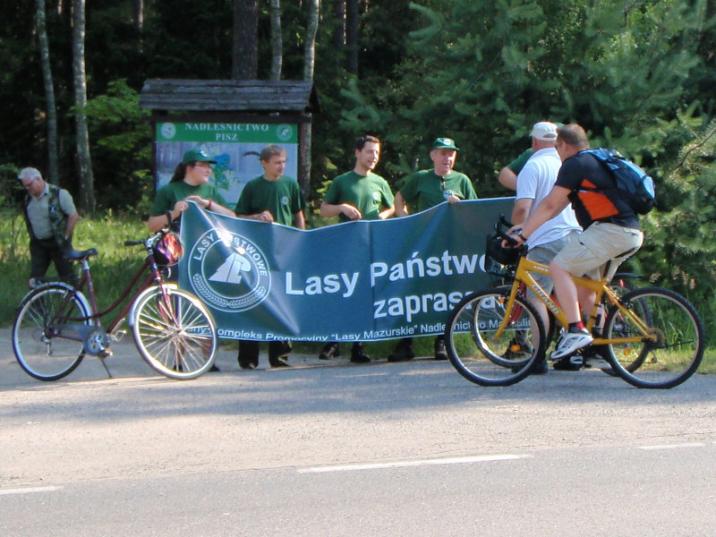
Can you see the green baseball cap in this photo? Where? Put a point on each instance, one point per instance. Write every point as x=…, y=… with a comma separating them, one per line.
x=196, y=155
x=445, y=143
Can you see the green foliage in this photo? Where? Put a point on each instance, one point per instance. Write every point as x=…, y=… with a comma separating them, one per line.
x=111, y=269
x=483, y=72
x=121, y=132
x=638, y=74
x=680, y=251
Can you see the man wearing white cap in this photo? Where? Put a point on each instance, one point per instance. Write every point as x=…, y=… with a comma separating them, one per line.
x=50, y=216
x=534, y=182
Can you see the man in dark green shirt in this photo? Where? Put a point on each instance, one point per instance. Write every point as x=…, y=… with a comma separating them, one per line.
x=422, y=190
x=270, y=198
x=427, y=188
x=358, y=195
x=508, y=175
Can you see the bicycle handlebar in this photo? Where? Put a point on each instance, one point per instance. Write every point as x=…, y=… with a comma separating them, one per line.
x=500, y=227
x=148, y=242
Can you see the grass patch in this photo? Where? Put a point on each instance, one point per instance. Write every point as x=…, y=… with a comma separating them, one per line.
x=708, y=366
x=112, y=268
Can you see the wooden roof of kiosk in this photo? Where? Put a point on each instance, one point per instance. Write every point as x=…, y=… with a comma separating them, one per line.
x=240, y=100
x=252, y=96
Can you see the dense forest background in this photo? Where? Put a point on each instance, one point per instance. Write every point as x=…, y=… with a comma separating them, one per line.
x=638, y=75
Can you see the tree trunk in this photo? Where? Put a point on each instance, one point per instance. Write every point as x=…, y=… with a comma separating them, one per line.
x=276, y=40
x=139, y=15
x=339, y=35
x=53, y=171
x=308, y=69
x=309, y=55
x=84, y=160
x=352, y=35
x=245, y=46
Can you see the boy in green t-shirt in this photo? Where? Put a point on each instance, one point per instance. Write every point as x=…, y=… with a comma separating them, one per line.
x=358, y=195
x=270, y=198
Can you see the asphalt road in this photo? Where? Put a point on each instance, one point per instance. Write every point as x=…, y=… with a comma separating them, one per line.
x=385, y=449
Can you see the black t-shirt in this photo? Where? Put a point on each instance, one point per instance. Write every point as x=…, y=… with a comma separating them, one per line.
x=593, y=193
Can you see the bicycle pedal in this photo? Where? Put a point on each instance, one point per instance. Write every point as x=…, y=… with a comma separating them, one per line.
x=118, y=335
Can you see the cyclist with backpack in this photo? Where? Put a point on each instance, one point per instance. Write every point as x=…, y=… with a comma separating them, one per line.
x=611, y=230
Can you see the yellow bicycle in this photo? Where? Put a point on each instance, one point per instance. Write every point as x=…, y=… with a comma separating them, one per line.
x=651, y=337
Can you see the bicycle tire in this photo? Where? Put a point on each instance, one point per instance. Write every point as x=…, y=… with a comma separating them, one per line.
x=174, y=332
x=679, y=347
x=37, y=343
x=602, y=351
x=475, y=350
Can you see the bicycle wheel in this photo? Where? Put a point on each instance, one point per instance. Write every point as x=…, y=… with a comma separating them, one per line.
x=174, y=332
x=37, y=338
x=601, y=353
x=479, y=352
x=678, y=345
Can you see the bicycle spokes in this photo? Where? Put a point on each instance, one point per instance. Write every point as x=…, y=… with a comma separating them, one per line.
x=174, y=333
x=658, y=341
x=39, y=345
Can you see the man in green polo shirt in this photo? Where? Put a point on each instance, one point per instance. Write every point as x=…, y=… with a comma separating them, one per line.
x=270, y=198
x=422, y=190
x=358, y=195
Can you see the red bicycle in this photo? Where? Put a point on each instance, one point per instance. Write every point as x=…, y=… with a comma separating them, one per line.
x=57, y=325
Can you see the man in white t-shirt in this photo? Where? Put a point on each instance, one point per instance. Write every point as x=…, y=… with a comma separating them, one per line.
x=534, y=182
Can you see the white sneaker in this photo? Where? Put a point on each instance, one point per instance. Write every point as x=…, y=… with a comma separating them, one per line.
x=571, y=342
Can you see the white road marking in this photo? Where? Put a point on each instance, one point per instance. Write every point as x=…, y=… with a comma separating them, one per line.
x=29, y=490
x=672, y=446
x=404, y=464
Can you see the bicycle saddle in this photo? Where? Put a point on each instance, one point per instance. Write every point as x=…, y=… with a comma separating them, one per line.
x=77, y=255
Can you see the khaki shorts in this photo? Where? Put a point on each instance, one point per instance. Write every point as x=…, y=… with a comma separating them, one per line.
x=599, y=250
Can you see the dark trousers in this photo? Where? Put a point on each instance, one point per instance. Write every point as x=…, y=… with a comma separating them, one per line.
x=249, y=351
x=44, y=251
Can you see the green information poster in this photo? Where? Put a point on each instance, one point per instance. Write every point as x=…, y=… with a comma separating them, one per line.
x=234, y=146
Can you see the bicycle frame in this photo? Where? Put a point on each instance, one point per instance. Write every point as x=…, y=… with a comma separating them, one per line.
x=523, y=274
x=131, y=291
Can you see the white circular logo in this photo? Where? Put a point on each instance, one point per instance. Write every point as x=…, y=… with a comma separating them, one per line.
x=284, y=132
x=284, y=200
x=168, y=130
x=376, y=196
x=229, y=271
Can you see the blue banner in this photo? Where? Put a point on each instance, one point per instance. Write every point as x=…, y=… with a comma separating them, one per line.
x=364, y=280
